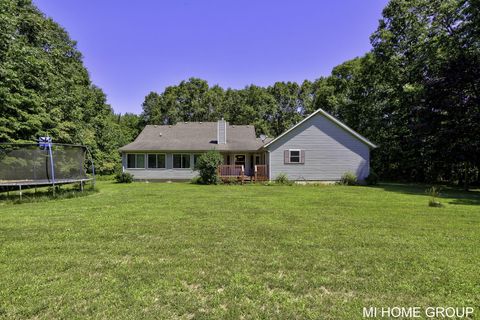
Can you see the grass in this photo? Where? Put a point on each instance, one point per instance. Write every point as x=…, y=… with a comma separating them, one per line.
x=46, y=194
x=185, y=251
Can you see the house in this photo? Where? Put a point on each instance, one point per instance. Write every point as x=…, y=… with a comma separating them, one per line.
x=318, y=148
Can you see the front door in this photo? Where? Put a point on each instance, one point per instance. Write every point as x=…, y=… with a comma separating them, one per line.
x=240, y=160
x=258, y=159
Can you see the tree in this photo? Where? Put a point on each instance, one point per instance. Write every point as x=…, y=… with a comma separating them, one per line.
x=429, y=55
x=44, y=87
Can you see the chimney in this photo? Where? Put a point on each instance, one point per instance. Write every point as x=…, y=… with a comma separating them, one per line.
x=221, y=131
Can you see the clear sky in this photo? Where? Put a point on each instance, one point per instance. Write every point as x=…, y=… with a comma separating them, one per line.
x=133, y=47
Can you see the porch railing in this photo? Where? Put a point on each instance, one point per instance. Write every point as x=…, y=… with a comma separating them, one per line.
x=231, y=171
x=261, y=172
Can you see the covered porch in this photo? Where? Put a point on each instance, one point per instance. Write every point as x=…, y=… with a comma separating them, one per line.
x=244, y=166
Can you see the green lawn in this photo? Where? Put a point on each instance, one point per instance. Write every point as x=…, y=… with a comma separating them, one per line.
x=163, y=250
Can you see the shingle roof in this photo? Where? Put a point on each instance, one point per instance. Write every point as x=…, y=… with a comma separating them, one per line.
x=195, y=136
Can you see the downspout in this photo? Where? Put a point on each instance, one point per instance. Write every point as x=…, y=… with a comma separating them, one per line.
x=269, y=166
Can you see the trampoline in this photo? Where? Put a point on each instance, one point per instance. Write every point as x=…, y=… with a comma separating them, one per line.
x=31, y=165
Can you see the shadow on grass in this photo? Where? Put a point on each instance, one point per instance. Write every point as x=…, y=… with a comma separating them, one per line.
x=453, y=194
x=46, y=194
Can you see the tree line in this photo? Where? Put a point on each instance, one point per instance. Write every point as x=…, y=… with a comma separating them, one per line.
x=415, y=94
x=46, y=90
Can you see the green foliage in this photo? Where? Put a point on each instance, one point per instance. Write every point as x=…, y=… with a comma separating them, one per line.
x=434, y=193
x=196, y=180
x=348, y=179
x=282, y=179
x=45, y=89
x=105, y=177
x=207, y=166
x=230, y=180
x=372, y=179
x=124, y=177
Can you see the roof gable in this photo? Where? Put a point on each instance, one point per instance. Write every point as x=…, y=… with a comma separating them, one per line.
x=332, y=119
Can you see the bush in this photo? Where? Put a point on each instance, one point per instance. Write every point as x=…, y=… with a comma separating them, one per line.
x=124, y=177
x=196, y=180
x=434, y=193
x=283, y=180
x=348, y=179
x=229, y=180
x=372, y=179
x=207, y=166
x=105, y=177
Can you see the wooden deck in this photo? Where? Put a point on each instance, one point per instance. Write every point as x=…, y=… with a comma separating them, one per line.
x=237, y=172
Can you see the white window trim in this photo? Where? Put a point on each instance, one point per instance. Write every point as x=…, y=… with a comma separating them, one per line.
x=136, y=154
x=182, y=154
x=162, y=168
x=299, y=156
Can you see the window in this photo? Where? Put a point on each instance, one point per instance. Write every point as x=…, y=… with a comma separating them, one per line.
x=181, y=161
x=156, y=161
x=195, y=159
x=294, y=156
x=135, y=161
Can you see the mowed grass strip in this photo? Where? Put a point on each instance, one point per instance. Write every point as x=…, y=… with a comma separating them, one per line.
x=184, y=251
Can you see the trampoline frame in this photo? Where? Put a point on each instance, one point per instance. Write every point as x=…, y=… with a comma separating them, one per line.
x=48, y=182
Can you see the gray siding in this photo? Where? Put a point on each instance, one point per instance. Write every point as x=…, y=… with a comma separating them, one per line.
x=169, y=173
x=330, y=151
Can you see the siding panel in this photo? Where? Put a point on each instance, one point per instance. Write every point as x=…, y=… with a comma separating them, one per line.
x=169, y=173
x=328, y=151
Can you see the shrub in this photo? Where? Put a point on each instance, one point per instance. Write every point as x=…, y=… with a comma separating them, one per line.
x=124, y=177
x=231, y=180
x=207, y=166
x=372, y=179
x=105, y=177
x=196, y=180
x=434, y=193
x=283, y=180
x=348, y=179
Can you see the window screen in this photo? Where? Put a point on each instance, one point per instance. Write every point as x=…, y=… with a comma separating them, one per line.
x=181, y=161
x=156, y=161
x=136, y=161
x=295, y=156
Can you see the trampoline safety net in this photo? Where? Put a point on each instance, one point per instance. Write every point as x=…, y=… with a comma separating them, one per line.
x=31, y=164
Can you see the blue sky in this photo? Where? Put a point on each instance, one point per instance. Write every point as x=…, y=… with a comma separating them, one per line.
x=133, y=47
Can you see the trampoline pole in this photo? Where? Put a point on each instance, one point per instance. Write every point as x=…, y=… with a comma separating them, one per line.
x=52, y=167
x=20, y=191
